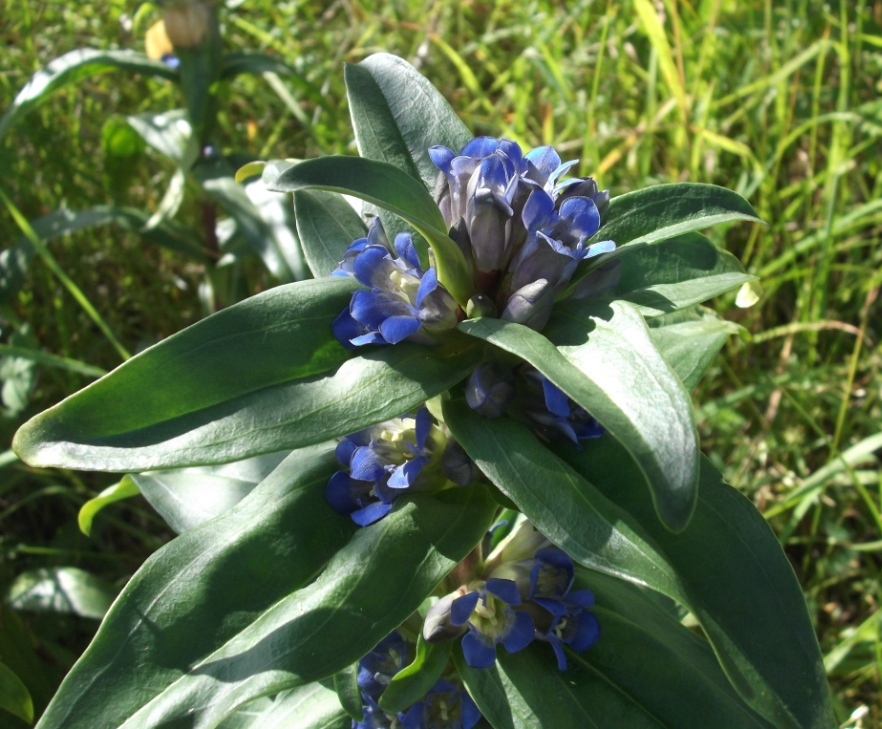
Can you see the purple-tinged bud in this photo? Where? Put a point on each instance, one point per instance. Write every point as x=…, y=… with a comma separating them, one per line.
x=530, y=305
x=456, y=464
x=437, y=627
x=489, y=389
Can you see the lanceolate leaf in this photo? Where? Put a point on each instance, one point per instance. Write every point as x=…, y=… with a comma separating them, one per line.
x=281, y=335
x=397, y=115
x=187, y=497
x=677, y=273
x=180, y=606
x=73, y=67
x=751, y=607
x=637, y=640
x=382, y=384
x=307, y=707
x=326, y=226
x=370, y=586
x=560, y=503
x=619, y=377
x=390, y=188
x=689, y=340
x=657, y=213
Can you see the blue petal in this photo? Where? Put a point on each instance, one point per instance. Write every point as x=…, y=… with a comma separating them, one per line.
x=441, y=157
x=368, y=267
x=424, y=422
x=368, y=308
x=340, y=493
x=369, y=338
x=506, y=590
x=406, y=250
x=521, y=633
x=586, y=634
x=582, y=215
x=366, y=465
x=403, y=476
x=559, y=653
x=480, y=147
x=537, y=210
x=345, y=329
x=370, y=513
x=397, y=328
x=555, y=400
x=428, y=284
x=476, y=652
x=462, y=607
x=604, y=246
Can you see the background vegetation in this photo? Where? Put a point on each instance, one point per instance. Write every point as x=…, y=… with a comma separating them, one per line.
x=780, y=100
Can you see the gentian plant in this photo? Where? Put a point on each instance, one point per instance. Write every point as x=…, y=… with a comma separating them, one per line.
x=452, y=481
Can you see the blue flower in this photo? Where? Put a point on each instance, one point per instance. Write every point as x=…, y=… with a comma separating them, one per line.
x=516, y=220
x=570, y=623
x=445, y=706
x=377, y=668
x=489, y=611
x=401, y=301
x=390, y=459
x=552, y=413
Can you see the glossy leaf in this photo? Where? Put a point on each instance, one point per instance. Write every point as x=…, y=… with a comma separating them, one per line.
x=73, y=67
x=365, y=390
x=270, y=544
x=619, y=377
x=125, y=489
x=677, y=273
x=348, y=693
x=187, y=497
x=308, y=707
x=397, y=115
x=61, y=590
x=663, y=211
x=390, y=188
x=14, y=696
x=690, y=340
x=367, y=589
x=326, y=225
x=564, y=506
x=280, y=335
x=738, y=583
x=168, y=132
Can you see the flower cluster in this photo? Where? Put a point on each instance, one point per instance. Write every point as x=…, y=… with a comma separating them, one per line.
x=445, y=706
x=523, y=231
x=390, y=459
x=527, y=596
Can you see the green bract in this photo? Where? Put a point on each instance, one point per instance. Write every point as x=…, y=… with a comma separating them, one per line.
x=268, y=597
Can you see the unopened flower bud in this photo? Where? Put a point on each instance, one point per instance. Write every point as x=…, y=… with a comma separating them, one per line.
x=438, y=627
x=188, y=23
x=530, y=305
x=489, y=389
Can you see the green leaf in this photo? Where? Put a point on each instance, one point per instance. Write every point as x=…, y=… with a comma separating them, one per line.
x=348, y=693
x=397, y=115
x=390, y=188
x=633, y=674
x=677, y=273
x=738, y=583
x=14, y=695
x=240, y=62
x=367, y=589
x=180, y=606
x=619, y=377
x=663, y=211
x=125, y=489
x=689, y=340
x=281, y=256
x=412, y=682
x=565, y=507
x=73, y=67
x=376, y=386
x=187, y=497
x=326, y=226
x=167, y=132
x=280, y=335
x=61, y=590
x=308, y=707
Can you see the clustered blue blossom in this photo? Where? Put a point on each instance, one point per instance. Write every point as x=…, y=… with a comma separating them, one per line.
x=387, y=460
x=445, y=706
x=522, y=600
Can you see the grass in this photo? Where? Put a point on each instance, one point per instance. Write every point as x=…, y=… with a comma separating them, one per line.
x=779, y=100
